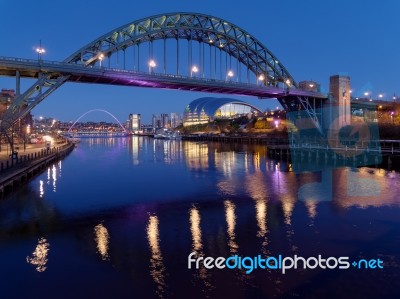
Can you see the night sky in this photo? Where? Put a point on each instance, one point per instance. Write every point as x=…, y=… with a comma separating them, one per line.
x=313, y=39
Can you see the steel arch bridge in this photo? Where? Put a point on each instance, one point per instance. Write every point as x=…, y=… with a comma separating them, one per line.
x=225, y=42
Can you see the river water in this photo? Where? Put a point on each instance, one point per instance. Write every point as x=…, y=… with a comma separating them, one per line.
x=118, y=218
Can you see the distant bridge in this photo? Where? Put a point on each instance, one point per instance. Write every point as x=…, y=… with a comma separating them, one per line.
x=213, y=56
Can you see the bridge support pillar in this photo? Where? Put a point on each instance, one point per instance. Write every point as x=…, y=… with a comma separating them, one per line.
x=17, y=83
x=338, y=108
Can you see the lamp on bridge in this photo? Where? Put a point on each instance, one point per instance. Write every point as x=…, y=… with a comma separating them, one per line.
x=230, y=75
x=40, y=51
x=288, y=85
x=101, y=57
x=152, y=65
x=194, y=70
x=368, y=94
x=261, y=78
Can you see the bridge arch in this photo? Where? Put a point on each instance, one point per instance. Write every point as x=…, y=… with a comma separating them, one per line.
x=225, y=38
x=206, y=29
x=93, y=110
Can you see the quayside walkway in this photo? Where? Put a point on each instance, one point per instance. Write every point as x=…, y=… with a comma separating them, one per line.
x=17, y=169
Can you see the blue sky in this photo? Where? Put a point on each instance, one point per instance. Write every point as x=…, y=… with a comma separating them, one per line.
x=313, y=39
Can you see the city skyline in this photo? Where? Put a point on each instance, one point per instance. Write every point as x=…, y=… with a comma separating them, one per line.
x=357, y=42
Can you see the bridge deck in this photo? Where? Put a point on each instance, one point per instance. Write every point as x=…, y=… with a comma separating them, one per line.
x=29, y=68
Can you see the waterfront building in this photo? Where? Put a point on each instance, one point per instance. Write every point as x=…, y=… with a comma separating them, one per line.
x=165, y=120
x=22, y=125
x=155, y=121
x=175, y=120
x=134, y=123
x=205, y=110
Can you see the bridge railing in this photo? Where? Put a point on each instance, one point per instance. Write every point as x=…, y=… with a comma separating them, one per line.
x=232, y=82
x=200, y=78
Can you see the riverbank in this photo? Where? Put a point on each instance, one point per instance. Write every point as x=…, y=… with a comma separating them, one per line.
x=20, y=169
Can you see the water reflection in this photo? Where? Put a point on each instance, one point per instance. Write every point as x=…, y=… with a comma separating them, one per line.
x=196, y=155
x=261, y=215
x=226, y=162
x=102, y=240
x=197, y=245
x=54, y=177
x=234, y=200
x=230, y=218
x=107, y=141
x=41, y=189
x=311, y=206
x=39, y=256
x=195, y=230
x=157, y=269
x=134, y=148
x=257, y=189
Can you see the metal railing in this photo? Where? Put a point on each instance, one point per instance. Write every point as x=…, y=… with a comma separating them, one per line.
x=43, y=63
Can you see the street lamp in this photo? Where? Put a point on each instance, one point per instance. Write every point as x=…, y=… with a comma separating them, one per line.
x=368, y=94
x=152, y=65
x=194, y=70
x=40, y=50
x=380, y=96
x=230, y=74
x=101, y=57
x=260, y=78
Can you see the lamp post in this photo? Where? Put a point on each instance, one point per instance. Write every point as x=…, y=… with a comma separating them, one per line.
x=230, y=74
x=152, y=65
x=194, y=70
x=27, y=133
x=40, y=50
x=101, y=57
x=288, y=85
x=260, y=79
x=366, y=94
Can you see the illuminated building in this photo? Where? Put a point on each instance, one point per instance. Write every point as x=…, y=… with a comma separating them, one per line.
x=205, y=110
x=6, y=97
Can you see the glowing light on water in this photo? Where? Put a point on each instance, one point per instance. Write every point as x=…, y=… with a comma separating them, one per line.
x=195, y=229
x=156, y=260
x=102, y=239
x=54, y=177
x=41, y=189
x=230, y=217
x=39, y=256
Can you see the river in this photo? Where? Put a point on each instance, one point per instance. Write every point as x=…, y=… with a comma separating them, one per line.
x=119, y=217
